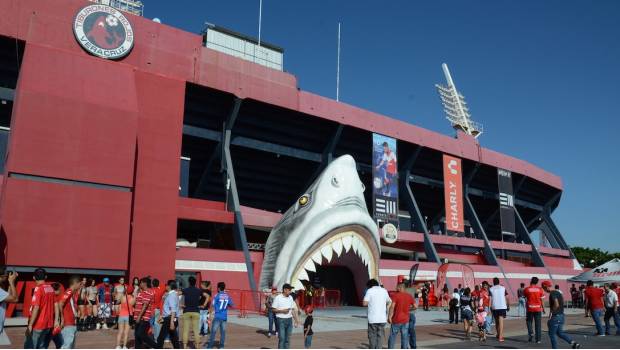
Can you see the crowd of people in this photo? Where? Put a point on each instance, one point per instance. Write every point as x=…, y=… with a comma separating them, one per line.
x=160, y=313
x=156, y=313
x=487, y=305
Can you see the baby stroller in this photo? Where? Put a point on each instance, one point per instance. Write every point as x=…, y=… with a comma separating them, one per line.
x=481, y=320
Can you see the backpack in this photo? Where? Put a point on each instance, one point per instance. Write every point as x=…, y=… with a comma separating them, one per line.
x=453, y=302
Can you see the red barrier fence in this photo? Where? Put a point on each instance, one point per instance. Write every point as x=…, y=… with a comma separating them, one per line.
x=325, y=299
x=250, y=302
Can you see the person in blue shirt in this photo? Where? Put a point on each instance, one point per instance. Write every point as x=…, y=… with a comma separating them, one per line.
x=219, y=314
x=169, y=317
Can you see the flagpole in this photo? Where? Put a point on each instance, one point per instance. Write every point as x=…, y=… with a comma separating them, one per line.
x=260, y=18
x=338, y=67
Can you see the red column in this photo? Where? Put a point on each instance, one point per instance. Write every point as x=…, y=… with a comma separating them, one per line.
x=156, y=191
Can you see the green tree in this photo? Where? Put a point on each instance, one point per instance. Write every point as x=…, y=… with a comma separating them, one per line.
x=592, y=257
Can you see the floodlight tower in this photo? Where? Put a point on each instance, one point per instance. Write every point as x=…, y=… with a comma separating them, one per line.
x=455, y=107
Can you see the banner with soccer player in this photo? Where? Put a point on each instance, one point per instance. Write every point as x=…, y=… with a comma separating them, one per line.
x=384, y=180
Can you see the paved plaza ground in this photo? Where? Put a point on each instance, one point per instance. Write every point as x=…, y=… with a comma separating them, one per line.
x=346, y=328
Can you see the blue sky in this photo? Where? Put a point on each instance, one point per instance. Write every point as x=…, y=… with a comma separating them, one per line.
x=542, y=76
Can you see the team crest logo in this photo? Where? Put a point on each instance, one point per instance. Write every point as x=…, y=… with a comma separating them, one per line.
x=103, y=31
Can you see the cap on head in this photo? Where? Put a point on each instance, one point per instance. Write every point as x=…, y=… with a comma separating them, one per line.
x=546, y=284
x=105, y=279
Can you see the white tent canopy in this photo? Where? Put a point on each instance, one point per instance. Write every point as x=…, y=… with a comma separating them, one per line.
x=607, y=273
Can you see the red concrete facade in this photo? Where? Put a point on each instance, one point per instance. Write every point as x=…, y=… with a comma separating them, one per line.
x=83, y=119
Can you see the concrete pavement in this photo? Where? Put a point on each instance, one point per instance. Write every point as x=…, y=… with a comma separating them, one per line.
x=347, y=329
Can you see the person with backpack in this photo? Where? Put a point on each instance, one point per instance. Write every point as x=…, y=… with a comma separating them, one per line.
x=454, y=304
x=467, y=312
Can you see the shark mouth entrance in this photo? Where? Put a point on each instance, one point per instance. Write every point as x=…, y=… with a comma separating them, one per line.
x=349, y=247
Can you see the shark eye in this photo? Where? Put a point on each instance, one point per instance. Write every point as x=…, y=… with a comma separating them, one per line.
x=303, y=200
x=335, y=182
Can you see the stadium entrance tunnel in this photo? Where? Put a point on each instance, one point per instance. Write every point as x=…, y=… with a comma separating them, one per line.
x=340, y=278
x=342, y=261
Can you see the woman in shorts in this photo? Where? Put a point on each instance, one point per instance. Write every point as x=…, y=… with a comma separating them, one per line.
x=135, y=287
x=81, y=302
x=127, y=302
x=467, y=313
x=91, y=295
x=120, y=289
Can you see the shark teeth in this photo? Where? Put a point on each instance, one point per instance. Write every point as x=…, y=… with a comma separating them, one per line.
x=337, y=246
x=309, y=266
x=327, y=251
x=355, y=244
x=346, y=241
x=303, y=275
x=298, y=285
x=317, y=257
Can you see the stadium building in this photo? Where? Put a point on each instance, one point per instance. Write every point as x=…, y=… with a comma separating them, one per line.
x=134, y=148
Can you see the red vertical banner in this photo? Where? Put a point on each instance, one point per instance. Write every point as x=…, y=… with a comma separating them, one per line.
x=453, y=193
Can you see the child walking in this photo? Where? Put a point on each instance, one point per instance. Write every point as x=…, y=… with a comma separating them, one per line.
x=481, y=320
x=308, y=328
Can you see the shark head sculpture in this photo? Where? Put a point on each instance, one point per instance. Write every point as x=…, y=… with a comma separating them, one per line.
x=329, y=224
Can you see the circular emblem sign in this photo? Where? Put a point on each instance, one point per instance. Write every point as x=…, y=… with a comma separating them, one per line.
x=390, y=233
x=103, y=31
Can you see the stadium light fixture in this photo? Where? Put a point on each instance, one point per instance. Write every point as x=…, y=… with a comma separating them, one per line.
x=455, y=107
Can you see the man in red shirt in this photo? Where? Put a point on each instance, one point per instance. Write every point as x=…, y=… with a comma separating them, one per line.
x=68, y=304
x=534, y=308
x=42, y=316
x=143, y=311
x=594, y=303
x=485, y=300
x=402, y=304
x=475, y=296
x=158, y=294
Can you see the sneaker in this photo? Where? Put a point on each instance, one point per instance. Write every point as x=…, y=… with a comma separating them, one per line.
x=576, y=345
x=530, y=339
x=538, y=342
x=124, y=347
x=268, y=334
x=105, y=326
x=118, y=347
x=98, y=326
